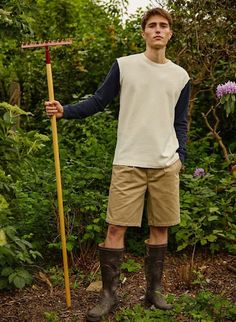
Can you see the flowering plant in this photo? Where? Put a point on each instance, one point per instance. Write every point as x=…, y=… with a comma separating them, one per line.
x=199, y=172
x=226, y=94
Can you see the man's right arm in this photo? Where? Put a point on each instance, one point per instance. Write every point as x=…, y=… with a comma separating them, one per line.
x=96, y=103
x=102, y=97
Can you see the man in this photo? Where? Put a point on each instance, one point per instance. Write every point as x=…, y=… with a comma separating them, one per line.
x=151, y=139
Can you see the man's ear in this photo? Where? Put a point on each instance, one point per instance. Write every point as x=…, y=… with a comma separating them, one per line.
x=171, y=34
x=142, y=34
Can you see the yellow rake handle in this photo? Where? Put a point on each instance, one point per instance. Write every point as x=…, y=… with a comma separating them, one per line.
x=59, y=187
x=46, y=45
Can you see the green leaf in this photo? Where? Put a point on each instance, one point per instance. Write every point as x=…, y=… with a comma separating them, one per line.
x=69, y=246
x=3, y=240
x=7, y=251
x=7, y=271
x=3, y=283
x=227, y=97
x=203, y=241
x=12, y=276
x=7, y=117
x=11, y=232
x=20, y=277
x=211, y=238
x=20, y=244
x=214, y=209
x=222, y=100
x=19, y=282
x=3, y=202
x=212, y=218
x=14, y=109
x=181, y=247
x=131, y=266
x=24, y=274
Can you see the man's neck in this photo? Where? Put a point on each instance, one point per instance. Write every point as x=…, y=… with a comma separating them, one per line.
x=157, y=55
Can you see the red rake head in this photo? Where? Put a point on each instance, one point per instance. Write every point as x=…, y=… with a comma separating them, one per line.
x=47, y=44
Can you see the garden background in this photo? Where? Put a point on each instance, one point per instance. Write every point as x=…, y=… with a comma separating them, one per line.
x=30, y=249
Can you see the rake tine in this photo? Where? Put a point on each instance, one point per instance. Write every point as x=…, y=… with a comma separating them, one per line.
x=47, y=43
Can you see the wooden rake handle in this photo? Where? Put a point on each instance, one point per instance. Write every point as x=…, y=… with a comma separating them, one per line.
x=46, y=45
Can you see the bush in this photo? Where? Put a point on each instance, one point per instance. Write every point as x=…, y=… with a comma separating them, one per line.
x=16, y=146
x=15, y=255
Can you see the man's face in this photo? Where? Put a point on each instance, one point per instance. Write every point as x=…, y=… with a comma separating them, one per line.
x=157, y=32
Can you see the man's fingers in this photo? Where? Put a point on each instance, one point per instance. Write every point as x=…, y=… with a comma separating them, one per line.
x=53, y=108
x=51, y=103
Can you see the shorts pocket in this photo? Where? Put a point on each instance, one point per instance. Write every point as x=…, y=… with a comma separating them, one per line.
x=174, y=168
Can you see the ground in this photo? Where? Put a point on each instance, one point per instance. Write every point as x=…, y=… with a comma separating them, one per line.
x=34, y=303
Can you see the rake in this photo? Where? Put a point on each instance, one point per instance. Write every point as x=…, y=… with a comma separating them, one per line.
x=46, y=45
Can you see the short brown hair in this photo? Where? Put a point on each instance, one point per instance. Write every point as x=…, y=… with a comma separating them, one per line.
x=155, y=12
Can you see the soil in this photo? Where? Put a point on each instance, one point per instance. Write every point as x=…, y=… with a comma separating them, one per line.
x=215, y=273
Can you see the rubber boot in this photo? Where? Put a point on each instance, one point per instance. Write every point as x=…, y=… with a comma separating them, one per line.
x=154, y=262
x=110, y=261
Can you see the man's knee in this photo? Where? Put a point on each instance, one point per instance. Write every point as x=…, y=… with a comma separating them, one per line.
x=115, y=231
x=115, y=236
x=158, y=235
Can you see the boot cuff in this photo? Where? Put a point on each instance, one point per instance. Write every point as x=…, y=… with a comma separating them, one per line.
x=157, y=251
x=102, y=248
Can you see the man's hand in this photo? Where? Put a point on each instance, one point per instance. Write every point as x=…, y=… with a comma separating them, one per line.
x=54, y=108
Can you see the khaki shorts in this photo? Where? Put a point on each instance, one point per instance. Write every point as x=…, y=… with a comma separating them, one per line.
x=130, y=185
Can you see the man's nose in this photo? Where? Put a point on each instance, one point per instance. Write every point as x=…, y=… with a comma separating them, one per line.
x=157, y=29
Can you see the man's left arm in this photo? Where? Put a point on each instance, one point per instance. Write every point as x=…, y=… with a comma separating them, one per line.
x=181, y=120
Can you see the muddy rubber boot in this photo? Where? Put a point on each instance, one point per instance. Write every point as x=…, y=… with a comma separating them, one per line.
x=154, y=262
x=110, y=261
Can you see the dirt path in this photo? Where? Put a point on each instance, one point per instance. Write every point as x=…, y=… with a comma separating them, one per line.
x=32, y=304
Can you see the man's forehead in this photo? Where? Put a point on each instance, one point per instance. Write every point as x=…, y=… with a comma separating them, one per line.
x=157, y=19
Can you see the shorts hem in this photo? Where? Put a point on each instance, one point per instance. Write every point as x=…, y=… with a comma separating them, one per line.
x=165, y=224
x=122, y=224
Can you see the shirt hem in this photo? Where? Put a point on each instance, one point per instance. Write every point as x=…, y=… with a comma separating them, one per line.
x=145, y=165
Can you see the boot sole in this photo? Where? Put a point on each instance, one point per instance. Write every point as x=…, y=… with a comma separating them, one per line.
x=95, y=319
x=91, y=319
x=148, y=304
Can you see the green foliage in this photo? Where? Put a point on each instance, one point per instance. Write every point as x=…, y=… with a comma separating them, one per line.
x=27, y=178
x=15, y=254
x=56, y=275
x=228, y=101
x=205, y=306
x=131, y=266
x=13, y=18
x=206, y=50
x=51, y=316
x=17, y=146
x=208, y=203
